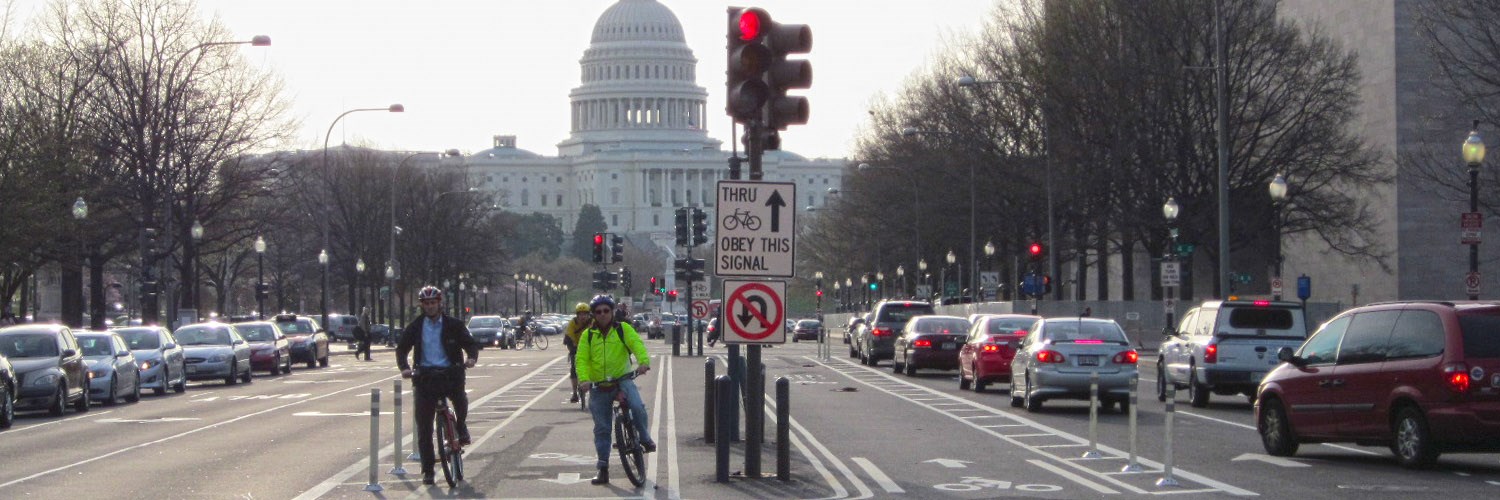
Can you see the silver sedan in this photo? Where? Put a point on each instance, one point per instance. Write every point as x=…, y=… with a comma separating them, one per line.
x=1059, y=355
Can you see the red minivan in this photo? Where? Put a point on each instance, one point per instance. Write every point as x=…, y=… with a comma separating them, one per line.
x=1420, y=377
x=985, y=357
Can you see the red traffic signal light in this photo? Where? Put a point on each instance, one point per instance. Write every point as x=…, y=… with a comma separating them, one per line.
x=1035, y=251
x=671, y=295
x=598, y=238
x=599, y=248
x=750, y=22
x=820, y=293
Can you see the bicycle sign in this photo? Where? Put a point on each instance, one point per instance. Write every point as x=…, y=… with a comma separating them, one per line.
x=756, y=234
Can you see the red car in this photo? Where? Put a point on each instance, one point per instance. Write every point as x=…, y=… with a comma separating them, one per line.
x=269, y=348
x=1420, y=377
x=985, y=358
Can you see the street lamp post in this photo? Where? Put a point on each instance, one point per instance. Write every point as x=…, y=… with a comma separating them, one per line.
x=196, y=232
x=390, y=303
x=953, y=259
x=1170, y=211
x=838, y=296
x=359, y=271
x=1473, y=149
x=260, y=277
x=989, y=253
x=323, y=264
x=922, y=266
x=80, y=212
x=1277, y=189
x=394, y=108
x=901, y=276
x=516, y=300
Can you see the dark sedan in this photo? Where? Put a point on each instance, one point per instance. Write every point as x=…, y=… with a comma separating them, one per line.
x=489, y=331
x=49, y=367
x=269, y=348
x=930, y=342
x=807, y=329
x=309, y=341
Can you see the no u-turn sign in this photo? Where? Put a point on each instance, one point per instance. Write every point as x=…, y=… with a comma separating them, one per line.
x=754, y=312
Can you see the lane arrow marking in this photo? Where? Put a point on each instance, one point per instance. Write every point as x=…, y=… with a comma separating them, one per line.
x=565, y=478
x=1277, y=461
x=948, y=462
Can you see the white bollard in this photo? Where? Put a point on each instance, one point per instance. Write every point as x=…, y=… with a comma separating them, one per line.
x=1093, y=417
x=374, y=440
x=1166, y=478
x=1133, y=465
x=398, y=469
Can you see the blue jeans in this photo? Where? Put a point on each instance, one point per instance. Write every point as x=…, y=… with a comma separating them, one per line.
x=600, y=403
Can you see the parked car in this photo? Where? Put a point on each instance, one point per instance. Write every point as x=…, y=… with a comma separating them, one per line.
x=160, y=358
x=1420, y=377
x=849, y=329
x=1226, y=347
x=1059, y=356
x=8, y=387
x=49, y=367
x=380, y=333
x=929, y=342
x=341, y=327
x=215, y=351
x=809, y=329
x=309, y=341
x=489, y=331
x=985, y=356
x=269, y=348
x=876, y=339
x=113, y=370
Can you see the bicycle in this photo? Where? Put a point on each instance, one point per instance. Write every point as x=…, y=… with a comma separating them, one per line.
x=530, y=339
x=627, y=438
x=734, y=220
x=450, y=449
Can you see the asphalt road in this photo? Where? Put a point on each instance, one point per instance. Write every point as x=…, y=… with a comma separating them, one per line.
x=856, y=432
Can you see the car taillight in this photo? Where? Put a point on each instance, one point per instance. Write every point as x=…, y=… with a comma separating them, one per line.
x=1457, y=376
x=1211, y=354
x=1262, y=303
x=1127, y=357
x=921, y=343
x=990, y=348
x=1049, y=357
x=881, y=332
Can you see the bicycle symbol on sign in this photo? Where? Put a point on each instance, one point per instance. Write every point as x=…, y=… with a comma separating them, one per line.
x=739, y=217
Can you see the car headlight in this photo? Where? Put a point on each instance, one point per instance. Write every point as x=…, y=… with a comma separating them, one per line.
x=45, y=380
x=146, y=365
x=99, y=372
x=219, y=358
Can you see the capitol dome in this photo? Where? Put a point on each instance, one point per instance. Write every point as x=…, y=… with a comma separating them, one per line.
x=639, y=86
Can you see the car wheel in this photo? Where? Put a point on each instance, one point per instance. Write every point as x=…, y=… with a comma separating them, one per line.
x=323, y=361
x=234, y=374
x=1033, y=403
x=60, y=404
x=1124, y=406
x=135, y=393
x=113, y=396
x=276, y=366
x=181, y=385
x=911, y=369
x=963, y=383
x=7, y=408
x=166, y=379
x=287, y=368
x=794, y=339
x=1197, y=392
x=83, y=403
x=312, y=361
x=1413, y=446
x=1161, y=381
x=1275, y=431
x=248, y=374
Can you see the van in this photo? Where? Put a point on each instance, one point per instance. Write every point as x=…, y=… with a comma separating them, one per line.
x=341, y=326
x=1227, y=347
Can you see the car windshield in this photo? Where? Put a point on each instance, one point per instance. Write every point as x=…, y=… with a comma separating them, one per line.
x=1481, y=334
x=33, y=345
x=257, y=333
x=900, y=313
x=294, y=327
x=1083, y=332
x=809, y=323
x=203, y=336
x=484, y=323
x=1008, y=326
x=941, y=325
x=95, y=346
x=140, y=338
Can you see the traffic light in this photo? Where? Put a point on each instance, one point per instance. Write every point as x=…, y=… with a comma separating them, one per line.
x=610, y=280
x=1046, y=284
x=690, y=269
x=683, y=239
x=598, y=248
x=672, y=296
x=783, y=74
x=654, y=289
x=617, y=248
x=625, y=280
x=599, y=277
x=700, y=227
x=262, y=290
x=749, y=58
x=1035, y=252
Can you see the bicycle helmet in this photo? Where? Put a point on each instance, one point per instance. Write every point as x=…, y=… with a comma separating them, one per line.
x=430, y=292
x=602, y=299
x=581, y=308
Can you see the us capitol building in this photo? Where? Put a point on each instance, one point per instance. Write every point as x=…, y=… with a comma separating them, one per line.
x=638, y=147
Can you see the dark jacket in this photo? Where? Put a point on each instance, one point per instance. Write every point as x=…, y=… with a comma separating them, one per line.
x=456, y=342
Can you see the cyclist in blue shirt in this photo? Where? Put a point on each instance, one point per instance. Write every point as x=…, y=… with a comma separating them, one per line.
x=440, y=342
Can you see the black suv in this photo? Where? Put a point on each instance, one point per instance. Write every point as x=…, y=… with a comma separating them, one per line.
x=876, y=340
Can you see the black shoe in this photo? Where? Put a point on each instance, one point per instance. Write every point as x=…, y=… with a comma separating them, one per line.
x=602, y=478
x=427, y=478
x=573, y=399
x=463, y=439
x=649, y=447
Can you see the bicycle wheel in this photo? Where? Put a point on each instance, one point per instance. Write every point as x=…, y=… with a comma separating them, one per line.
x=541, y=342
x=631, y=455
x=444, y=456
x=456, y=456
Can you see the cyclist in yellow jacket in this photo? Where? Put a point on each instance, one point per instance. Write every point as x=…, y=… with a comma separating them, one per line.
x=576, y=326
x=604, y=352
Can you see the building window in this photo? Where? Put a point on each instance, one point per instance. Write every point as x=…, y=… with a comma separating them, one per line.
x=614, y=196
x=655, y=220
x=614, y=220
x=542, y=198
x=525, y=198
x=523, y=179
x=614, y=176
x=559, y=199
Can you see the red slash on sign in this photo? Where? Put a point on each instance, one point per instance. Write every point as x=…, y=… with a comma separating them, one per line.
x=755, y=311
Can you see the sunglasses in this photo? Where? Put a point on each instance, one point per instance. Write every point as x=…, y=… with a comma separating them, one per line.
x=602, y=311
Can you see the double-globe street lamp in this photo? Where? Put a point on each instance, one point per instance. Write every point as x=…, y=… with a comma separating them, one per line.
x=1473, y=150
x=323, y=301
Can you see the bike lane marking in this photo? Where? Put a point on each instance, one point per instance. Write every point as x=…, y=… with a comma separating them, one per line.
x=69, y=419
x=1048, y=430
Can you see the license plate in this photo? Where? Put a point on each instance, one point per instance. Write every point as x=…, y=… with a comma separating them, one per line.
x=1088, y=361
x=948, y=346
x=192, y=369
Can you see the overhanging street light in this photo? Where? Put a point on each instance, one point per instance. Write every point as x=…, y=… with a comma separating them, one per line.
x=1473, y=152
x=394, y=108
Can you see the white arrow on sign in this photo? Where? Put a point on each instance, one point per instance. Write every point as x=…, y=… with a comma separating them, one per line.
x=565, y=478
x=144, y=420
x=1277, y=461
x=948, y=462
x=321, y=414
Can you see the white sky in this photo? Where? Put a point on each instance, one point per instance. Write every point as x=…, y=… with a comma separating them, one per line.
x=468, y=70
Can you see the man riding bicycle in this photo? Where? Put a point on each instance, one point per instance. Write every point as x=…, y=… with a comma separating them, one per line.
x=604, y=352
x=443, y=345
x=575, y=328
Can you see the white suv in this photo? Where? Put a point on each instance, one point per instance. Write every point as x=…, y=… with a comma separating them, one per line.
x=1227, y=347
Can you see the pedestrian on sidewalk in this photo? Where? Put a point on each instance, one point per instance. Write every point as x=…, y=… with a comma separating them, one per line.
x=362, y=334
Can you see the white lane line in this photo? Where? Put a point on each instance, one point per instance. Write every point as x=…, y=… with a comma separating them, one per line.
x=1355, y=450
x=1251, y=427
x=995, y=426
x=362, y=466
x=1069, y=475
x=192, y=431
x=1029, y=435
x=1182, y=492
x=654, y=467
x=69, y=419
x=674, y=475
x=880, y=478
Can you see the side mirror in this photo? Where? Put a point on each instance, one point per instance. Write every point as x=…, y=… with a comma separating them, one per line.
x=170, y=346
x=68, y=353
x=1285, y=355
x=122, y=354
x=237, y=342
